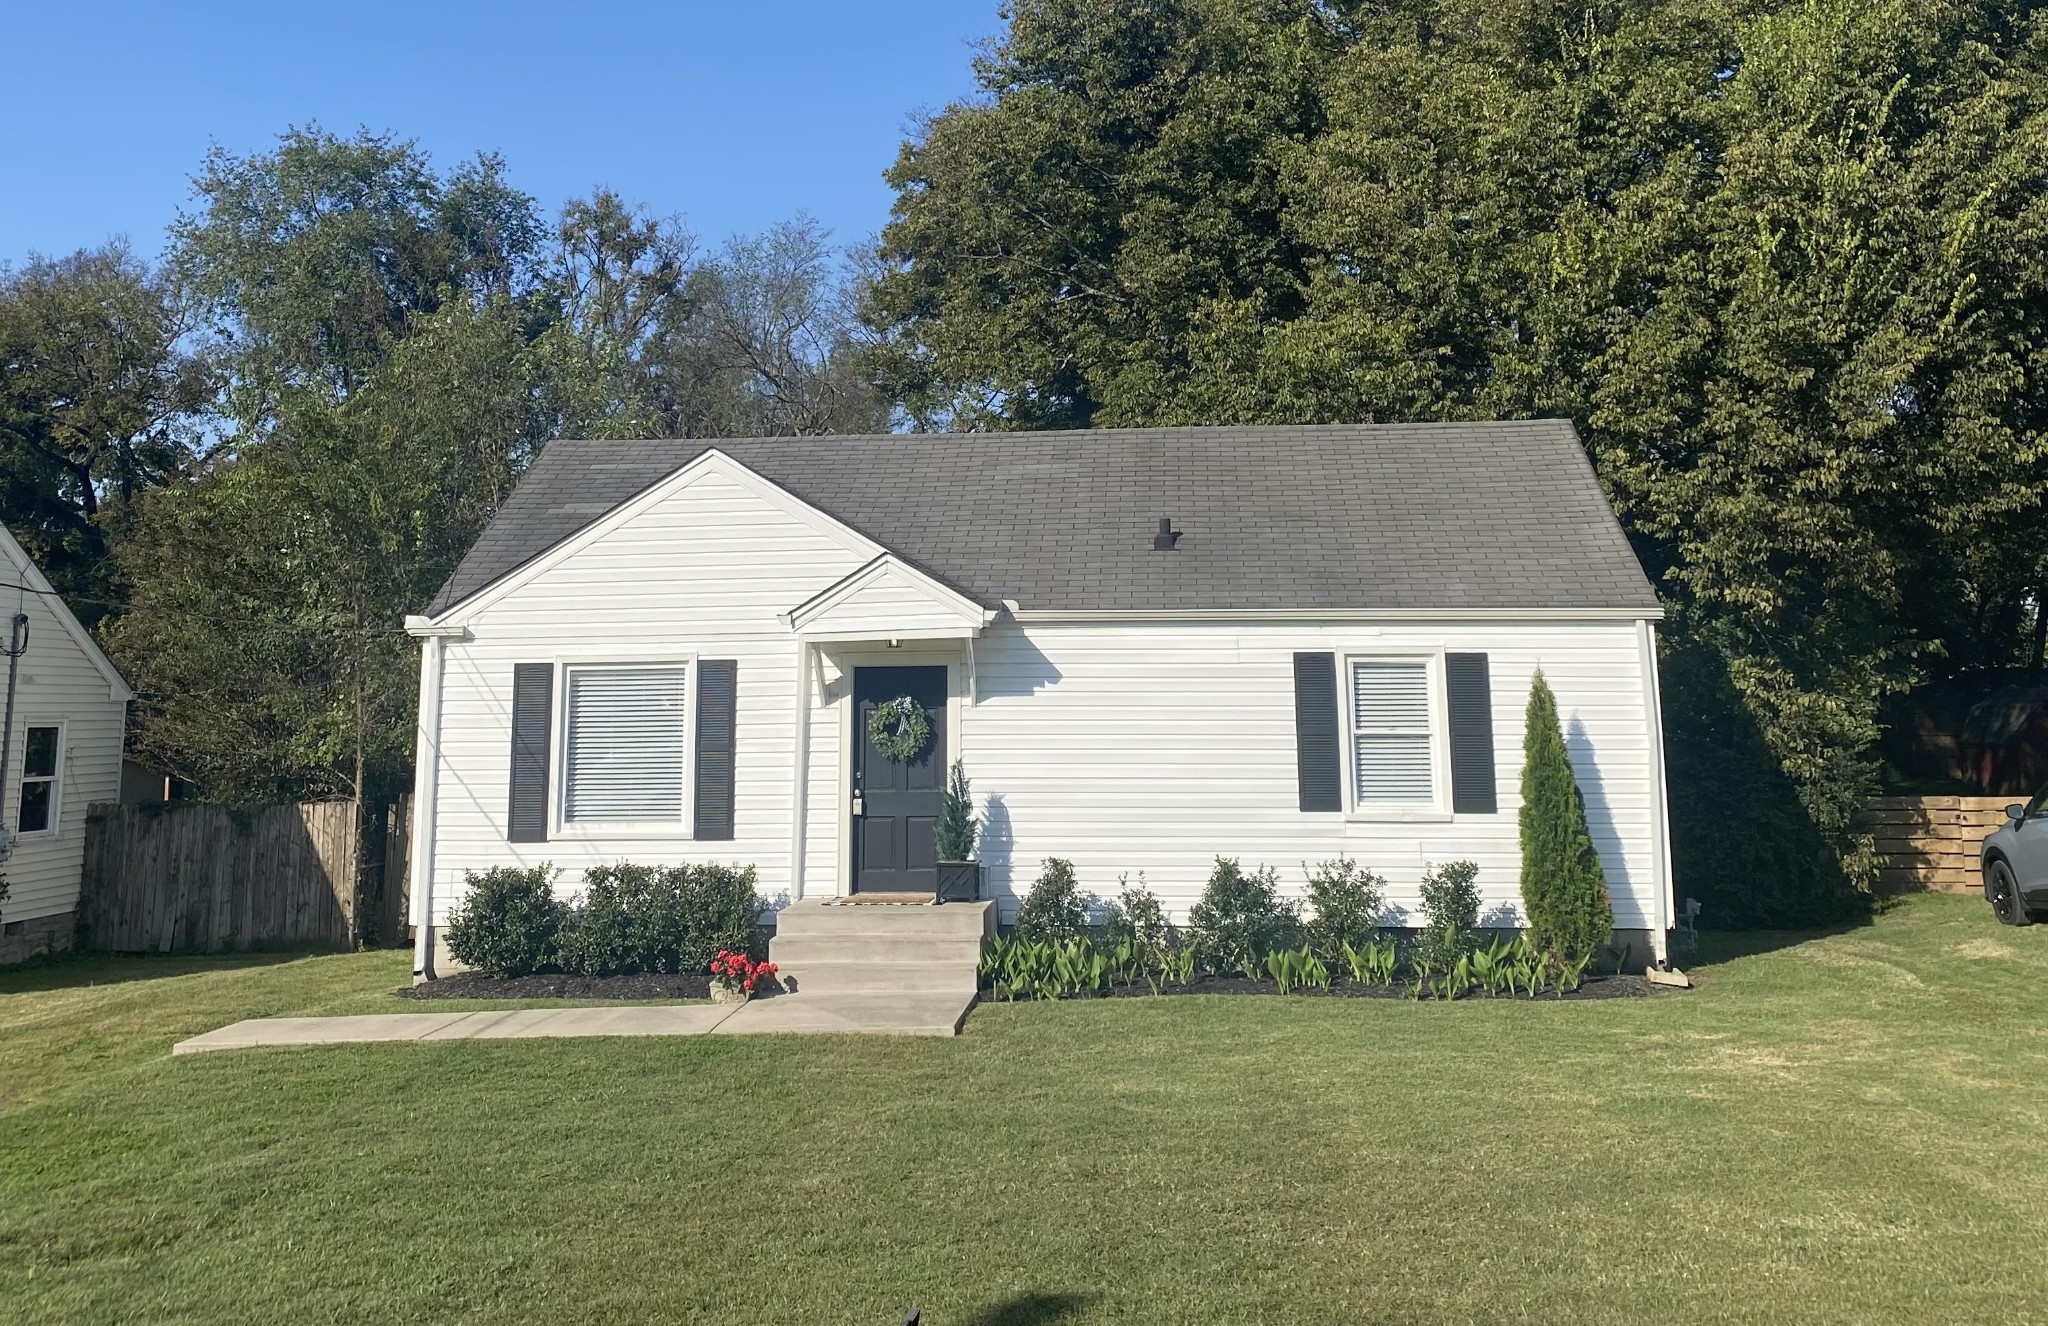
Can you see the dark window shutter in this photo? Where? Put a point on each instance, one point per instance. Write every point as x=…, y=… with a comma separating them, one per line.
x=533, y=687
x=1470, y=691
x=1317, y=762
x=717, y=698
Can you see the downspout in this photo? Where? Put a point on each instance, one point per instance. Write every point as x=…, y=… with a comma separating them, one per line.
x=1660, y=938
x=426, y=789
x=17, y=645
x=800, y=790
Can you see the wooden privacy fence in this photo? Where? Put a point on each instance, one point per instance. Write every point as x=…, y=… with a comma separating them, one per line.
x=181, y=877
x=1931, y=843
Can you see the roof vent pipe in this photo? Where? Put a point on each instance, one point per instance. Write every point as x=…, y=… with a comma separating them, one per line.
x=1167, y=536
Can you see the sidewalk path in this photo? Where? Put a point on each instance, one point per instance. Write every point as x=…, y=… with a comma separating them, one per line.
x=873, y=1014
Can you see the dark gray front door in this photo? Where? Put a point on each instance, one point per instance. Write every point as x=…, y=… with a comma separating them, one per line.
x=897, y=803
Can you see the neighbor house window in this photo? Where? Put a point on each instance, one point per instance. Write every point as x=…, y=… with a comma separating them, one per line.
x=41, y=767
x=1391, y=736
x=625, y=731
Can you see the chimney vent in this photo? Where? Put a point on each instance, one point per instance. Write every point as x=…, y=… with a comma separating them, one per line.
x=1167, y=536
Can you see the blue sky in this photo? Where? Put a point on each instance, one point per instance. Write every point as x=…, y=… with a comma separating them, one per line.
x=732, y=114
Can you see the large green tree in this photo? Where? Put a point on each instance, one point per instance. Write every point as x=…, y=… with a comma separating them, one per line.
x=101, y=399
x=1783, y=263
x=402, y=340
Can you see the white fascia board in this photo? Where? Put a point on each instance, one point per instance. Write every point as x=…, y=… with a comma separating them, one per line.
x=31, y=575
x=711, y=462
x=1340, y=615
x=426, y=628
x=972, y=615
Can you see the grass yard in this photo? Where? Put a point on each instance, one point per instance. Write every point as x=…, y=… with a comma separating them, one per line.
x=1846, y=1128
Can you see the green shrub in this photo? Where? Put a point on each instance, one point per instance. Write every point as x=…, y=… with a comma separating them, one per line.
x=658, y=918
x=1564, y=890
x=1241, y=917
x=1347, y=903
x=954, y=834
x=597, y=935
x=1450, y=913
x=1053, y=911
x=1136, y=917
x=508, y=921
x=719, y=908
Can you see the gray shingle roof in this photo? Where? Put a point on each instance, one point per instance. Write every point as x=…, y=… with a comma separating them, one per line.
x=1391, y=516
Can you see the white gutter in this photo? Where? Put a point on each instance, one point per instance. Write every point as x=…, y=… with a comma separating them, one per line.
x=1660, y=937
x=426, y=786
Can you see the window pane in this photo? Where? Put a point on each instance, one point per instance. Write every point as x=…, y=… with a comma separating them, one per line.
x=1394, y=769
x=1391, y=745
x=35, y=806
x=1390, y=695
x=40, y=760
x=626, y=745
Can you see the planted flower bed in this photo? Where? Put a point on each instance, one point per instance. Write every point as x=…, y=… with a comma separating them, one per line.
x=1243, y=938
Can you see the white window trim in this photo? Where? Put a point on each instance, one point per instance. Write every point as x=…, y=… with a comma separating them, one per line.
x=560, y=826
x=56, y=781
x=1438, y=808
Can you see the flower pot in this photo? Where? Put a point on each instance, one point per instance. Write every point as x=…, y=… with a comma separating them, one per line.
x=959, y=881
x=721, y=995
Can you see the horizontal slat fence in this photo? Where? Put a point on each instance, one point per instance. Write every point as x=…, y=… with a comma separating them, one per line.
x=1931, y=843
x=181, y=877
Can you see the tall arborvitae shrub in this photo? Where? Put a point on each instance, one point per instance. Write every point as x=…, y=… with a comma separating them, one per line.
x=1564, y=891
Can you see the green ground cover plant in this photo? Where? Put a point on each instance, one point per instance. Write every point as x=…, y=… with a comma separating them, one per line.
x=1826, y=1130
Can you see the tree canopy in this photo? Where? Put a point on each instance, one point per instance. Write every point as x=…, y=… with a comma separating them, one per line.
x=394, y=343
x=1782, y=263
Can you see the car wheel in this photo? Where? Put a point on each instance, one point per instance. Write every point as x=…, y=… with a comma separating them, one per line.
x=2002, y=891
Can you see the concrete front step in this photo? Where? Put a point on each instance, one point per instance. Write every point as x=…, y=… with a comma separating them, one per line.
x=819, y=978
x=867, y=948
x=954, y=920
x=875, y=948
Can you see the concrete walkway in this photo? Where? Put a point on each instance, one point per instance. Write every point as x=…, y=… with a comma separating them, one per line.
x=907, y=1014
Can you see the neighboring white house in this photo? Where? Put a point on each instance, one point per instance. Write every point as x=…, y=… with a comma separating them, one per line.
x=63, y=754
x=1150, y=648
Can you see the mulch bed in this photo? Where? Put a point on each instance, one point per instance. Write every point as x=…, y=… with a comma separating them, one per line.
x=1595, y=987
x=560, y=985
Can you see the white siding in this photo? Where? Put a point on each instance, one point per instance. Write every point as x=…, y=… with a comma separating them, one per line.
x=59, y=683
x=1158, y=747
x=1126, y=747
x=703, y=571
x=885, y=606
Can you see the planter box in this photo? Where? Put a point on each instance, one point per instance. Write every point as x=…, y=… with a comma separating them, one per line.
x=959, y=881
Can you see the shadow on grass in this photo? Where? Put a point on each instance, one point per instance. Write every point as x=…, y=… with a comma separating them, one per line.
x=1719, y=946
x=63, y=971
x=1031, y=1309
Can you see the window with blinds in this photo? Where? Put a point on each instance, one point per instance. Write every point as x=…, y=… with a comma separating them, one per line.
x=1390, y=732
x=625, y=746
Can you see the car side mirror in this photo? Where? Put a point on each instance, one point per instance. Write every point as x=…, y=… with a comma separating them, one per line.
x=2015, y=812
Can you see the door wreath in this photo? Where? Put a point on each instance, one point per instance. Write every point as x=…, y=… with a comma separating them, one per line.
x=899, y=729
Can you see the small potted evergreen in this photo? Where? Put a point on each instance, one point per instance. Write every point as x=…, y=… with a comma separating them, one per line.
x=959, y=872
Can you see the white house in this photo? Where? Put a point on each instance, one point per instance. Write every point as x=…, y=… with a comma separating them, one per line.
x=1150, y=648
x=63, y=754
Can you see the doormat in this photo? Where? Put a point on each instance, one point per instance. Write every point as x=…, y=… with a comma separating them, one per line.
x=882, y=900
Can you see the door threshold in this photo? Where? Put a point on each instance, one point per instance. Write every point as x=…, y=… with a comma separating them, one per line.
x=881, y=900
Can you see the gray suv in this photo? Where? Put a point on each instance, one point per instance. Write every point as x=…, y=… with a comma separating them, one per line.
x=2016, y=863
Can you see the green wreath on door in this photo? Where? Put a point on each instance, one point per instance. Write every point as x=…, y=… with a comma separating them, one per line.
x=899, y=729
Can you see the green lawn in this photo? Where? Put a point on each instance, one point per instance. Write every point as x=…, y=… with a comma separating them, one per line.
x=1846, y=1127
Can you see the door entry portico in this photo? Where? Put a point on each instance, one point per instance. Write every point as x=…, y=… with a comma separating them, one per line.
x=896, y=803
